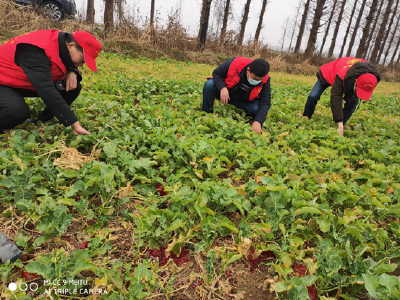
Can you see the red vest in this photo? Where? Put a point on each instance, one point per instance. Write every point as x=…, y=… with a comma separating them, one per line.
x=232, y=79
x=13, y=76
x=338, y=67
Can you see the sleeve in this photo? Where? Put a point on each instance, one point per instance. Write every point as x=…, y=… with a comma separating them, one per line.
x=220, y=73
x=264, y=102
x=37, y=68
x=337, y=100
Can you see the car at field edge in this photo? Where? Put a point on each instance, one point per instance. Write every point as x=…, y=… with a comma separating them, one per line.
x=56, y=10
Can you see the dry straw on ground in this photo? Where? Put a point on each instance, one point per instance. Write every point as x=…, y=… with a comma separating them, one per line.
x=71, y=158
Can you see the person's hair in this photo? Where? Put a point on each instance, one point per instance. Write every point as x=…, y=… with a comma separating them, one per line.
x=70, y=39
x=259, y=67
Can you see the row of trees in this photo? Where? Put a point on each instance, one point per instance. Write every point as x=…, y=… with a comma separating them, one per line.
x=204, y=19
x=371, y=28
x=205, y=15
x=364, y=28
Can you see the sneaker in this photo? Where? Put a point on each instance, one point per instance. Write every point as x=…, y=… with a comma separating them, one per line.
x=34, y=121
x=8, y=251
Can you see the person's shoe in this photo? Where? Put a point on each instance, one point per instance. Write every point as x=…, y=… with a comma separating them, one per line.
x=2, y=133
x=8, y=251
x=34, y=121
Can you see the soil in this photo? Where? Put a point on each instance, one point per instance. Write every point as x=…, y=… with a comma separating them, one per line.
x=253, y=284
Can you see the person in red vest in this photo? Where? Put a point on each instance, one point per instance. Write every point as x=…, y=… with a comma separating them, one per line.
x=351, y=78
x=44, y=64
x=244, y=83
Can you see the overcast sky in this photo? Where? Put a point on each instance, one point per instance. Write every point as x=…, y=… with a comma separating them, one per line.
x=276, y=13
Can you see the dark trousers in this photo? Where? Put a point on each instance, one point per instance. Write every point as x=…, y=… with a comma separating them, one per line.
x=314, y=97
x=210, y=92
x=14, y=110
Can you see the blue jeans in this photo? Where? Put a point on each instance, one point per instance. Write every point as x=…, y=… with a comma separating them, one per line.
x=210, y=92
x=314, y=97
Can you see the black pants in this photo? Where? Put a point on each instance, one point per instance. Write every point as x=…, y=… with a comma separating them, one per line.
x=14, y=110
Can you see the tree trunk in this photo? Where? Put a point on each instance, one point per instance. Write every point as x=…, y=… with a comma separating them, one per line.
x=225, y=21
x=328, y=27
x=294, y=28
x=395, y=52
x=284, y=33
x=372, y=36
x=335, y=33
x=379, y=38
x=121, y=18
x=398, y=61
x=314, y=29
x=355, y=29
x=302, y=27
x=362, y=47
x=260, y=21
x=90, y=12
x=392, y=38
x=387, y=31
x=152, y=13
x=348, y=29
x=205, y=16
x=109, y=16
x=244, y=22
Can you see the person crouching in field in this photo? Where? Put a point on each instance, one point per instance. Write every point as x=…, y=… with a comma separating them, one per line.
x=44, y=64
x=244, y=83
x=351, y=78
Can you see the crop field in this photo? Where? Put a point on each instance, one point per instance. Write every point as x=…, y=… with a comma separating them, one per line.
x=164, y=202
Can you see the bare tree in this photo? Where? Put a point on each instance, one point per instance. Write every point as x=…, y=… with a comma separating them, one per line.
x=395, y=52
x=205, y=16
x=391, y=39
x=120, y=9
x=355, y=29
x=90, y=12
x=335, y=33
x=387, y=31
x=362, y=47
x=294, y=26
x=216, y=19
x=152, y=13
x=302, y=26
x=284, y=32
x=260, y=21
x=314, y=29
x=328, y=26
x=109, y=15
x=225, y=21
x=244, y=22
x=379, y=38
x=372, y=36
x=348, y=28
x=398, y=61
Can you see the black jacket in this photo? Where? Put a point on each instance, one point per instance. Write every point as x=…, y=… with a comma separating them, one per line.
x=264, y=97
x=37, y=67
x=343, y=89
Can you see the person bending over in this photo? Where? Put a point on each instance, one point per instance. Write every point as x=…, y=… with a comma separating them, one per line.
x=44, y=64
x=351, y=78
